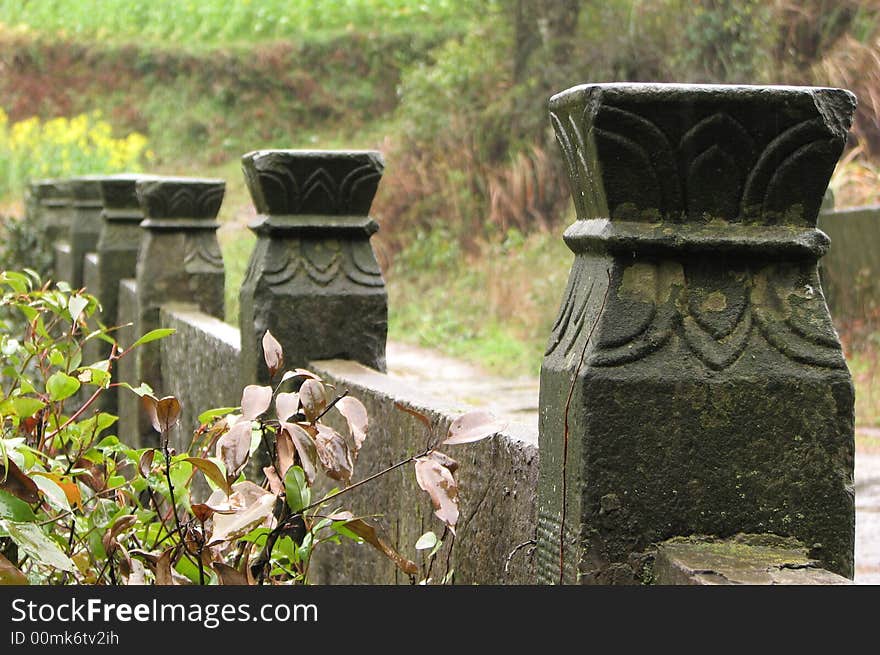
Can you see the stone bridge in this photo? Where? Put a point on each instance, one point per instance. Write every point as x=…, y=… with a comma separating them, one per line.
x=694, y=418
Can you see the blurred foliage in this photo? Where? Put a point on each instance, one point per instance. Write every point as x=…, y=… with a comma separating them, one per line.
x=218, y=22
x=23, y=246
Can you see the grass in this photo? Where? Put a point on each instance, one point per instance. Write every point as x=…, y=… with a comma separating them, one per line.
x=221, y=22
x=494, y=307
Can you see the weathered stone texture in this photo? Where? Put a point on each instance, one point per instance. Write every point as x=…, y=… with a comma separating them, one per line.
x=85, y=223
x=92, y=351
x=313, y=279
x=179, y=258
x=693, y=383
x=744, y=559
x=126, y=370
x=62, y=261
x=48, y=205
x=119, y=240
x=497, y=478
x=851, y=269
x=200, y=365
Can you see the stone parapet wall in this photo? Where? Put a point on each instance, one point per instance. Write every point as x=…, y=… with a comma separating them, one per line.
x=693, y=382
x=200, y=365
x=498, y=482
x=851, y=269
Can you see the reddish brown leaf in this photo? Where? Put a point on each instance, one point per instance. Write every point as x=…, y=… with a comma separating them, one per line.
x=109, y=542
x=233, y=448
x=13, y=480
x=168, y=412
x=276, y=486
x=252, y=513
x=285, y=450
x=137, y=576
x=473, y=426
x=305, y=449
x=300, y=372
x=202, y=512
x=369, y=534
x=10, y=574
x=286, y=405
x=313, y=399
x=145, y=463
x=163, y=413
x=162, y=569
x=229, y=576
x=212, y=471
x=255, y=400
x=434, y=478
x=334, y=454
x=421, y=417
x=94, y=476
x=445, y=460
x=122, y=524
x=356, y=416
x=272, y=353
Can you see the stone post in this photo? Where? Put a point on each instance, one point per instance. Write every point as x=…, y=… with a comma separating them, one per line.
x=85, y=226
x=693, y=382
x=119, y=240
x=48, y=206
x=114, y=260
x=179, y=258
x=313, y=279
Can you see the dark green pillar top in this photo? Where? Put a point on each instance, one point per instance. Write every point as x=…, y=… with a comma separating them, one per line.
x=674, y=166
x=48, y=204
x=313, y=279
x=180, y=203
x=313, y=192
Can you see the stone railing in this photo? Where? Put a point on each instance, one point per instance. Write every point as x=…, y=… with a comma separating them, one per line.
x=851, y=270
x=692, y=385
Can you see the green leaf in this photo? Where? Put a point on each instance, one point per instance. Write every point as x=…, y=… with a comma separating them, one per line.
x=115, y=481
x=29, y=312
x=61, y=386
x=180, y=475
x=76, y=305
x=426, y=541
x=93, y=375
x=27, y=407
x=141, y=390
x=38, y=546
x=18, y=282
x=211, y=414
x=154, y=335
x=211, y=471
x=53, y=493
x=185, y=567
x=14, y=508
x=296, y=489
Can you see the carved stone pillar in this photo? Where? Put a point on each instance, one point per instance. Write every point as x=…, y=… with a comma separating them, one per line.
x=85, y=223
x=114, y=260
x=48, y=205
x=119, y=240
x=179, y=258
x=693, y=382
x=313, y=279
